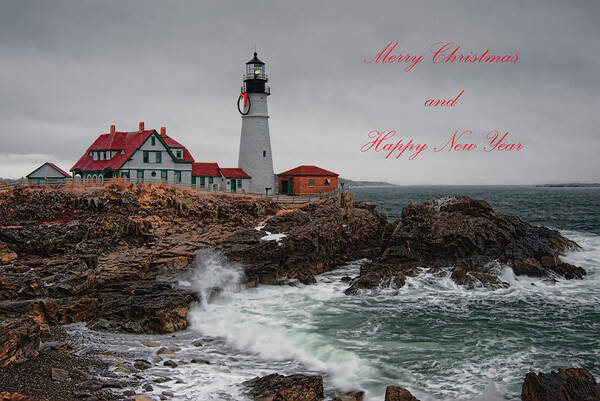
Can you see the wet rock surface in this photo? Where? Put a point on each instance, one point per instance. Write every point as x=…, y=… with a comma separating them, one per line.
x=277, y=387
x=472, y=239
x=573, y=384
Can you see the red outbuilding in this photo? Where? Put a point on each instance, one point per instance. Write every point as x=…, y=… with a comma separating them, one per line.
x=304, y=180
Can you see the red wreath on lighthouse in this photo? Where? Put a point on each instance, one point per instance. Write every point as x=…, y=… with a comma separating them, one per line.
x=244, y=96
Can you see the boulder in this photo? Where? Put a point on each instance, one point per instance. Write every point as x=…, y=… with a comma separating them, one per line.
x=573, y=384
x=397, y=393
x=277, y=387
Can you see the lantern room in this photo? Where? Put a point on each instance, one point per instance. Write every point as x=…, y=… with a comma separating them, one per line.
x=255, y=77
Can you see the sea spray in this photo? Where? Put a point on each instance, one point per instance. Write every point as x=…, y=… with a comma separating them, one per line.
x=213, y=276
x=272, y=322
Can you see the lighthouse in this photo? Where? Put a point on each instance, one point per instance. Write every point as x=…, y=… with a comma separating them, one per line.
x=255, y=156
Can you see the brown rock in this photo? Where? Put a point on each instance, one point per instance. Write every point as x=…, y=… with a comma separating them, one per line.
x=468, y=235
x=397, y=393
x=164, y=351
x=373, y=275
x=573, y=384
x=6, y=396
x=351, y=396
x=286, y=388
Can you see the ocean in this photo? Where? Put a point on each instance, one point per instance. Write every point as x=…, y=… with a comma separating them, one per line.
x=438, y=339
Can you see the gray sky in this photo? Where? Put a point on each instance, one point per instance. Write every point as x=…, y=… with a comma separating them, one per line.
x=69, y=69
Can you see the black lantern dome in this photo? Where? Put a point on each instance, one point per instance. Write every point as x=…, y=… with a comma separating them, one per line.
x=255, y=77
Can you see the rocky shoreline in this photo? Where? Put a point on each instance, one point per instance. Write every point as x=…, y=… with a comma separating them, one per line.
x=111, y=257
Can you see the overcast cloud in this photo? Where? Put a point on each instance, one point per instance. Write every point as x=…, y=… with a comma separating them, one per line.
x=69, y=69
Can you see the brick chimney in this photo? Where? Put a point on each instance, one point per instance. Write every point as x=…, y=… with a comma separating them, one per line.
x=163, y=131
x=112, y=129
x=141, y=126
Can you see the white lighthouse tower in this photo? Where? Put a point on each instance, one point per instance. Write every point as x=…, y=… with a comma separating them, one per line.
x=255, y=143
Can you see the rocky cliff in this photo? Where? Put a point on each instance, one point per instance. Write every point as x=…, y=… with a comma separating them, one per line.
x=110, y=256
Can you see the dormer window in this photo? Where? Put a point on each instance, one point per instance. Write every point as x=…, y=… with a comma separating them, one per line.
x=153, y=140
x=179, y=154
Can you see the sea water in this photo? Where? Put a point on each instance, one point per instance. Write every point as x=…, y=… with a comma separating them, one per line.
x=432, y=336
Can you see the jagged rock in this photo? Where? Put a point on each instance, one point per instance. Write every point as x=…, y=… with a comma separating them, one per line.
x=468, y=236
x=373, y=275
x=319, y=236
x=573, y=384
x=19, y=340
x=286, y=388
x=397, y=393
x=147, y=387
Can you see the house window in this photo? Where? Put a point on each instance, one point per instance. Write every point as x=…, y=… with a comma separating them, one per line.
x=153, y=140
x=146, y=157
x=140, y=176
x=158, y=157
x=327, y=181
x=202, y=182
x=239, y=183
x=179, y=154
x=153, y=174
x=264, y=153
x=163, y=176
x=311, y=182
x=177, y=177
x=210, y=180
x=105, y=158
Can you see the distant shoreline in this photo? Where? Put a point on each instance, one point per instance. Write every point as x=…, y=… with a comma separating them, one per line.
x=571, y=185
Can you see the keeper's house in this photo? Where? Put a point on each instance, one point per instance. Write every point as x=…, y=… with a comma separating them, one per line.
x=48, y=174
x=304, y=180
x=139, y=156
x=147, y=156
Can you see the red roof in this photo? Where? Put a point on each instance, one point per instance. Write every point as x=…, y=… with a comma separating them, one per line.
x=126, y=143
x=206, y=170
x=309, y=170
x=234, y=173
x=60, y=170
x=172, y=143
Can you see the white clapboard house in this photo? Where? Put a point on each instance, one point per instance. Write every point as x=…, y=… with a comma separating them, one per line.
x=48, y=174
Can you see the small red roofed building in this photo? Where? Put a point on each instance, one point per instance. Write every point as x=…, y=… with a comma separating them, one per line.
x=304, y=180
x=206, y=176
x=236, y=180
x=139, y=156
x=48, y=174
x=209, y=176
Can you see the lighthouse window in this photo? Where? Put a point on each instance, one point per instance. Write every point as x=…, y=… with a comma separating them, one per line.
x=239, y=183
x=264, y=153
